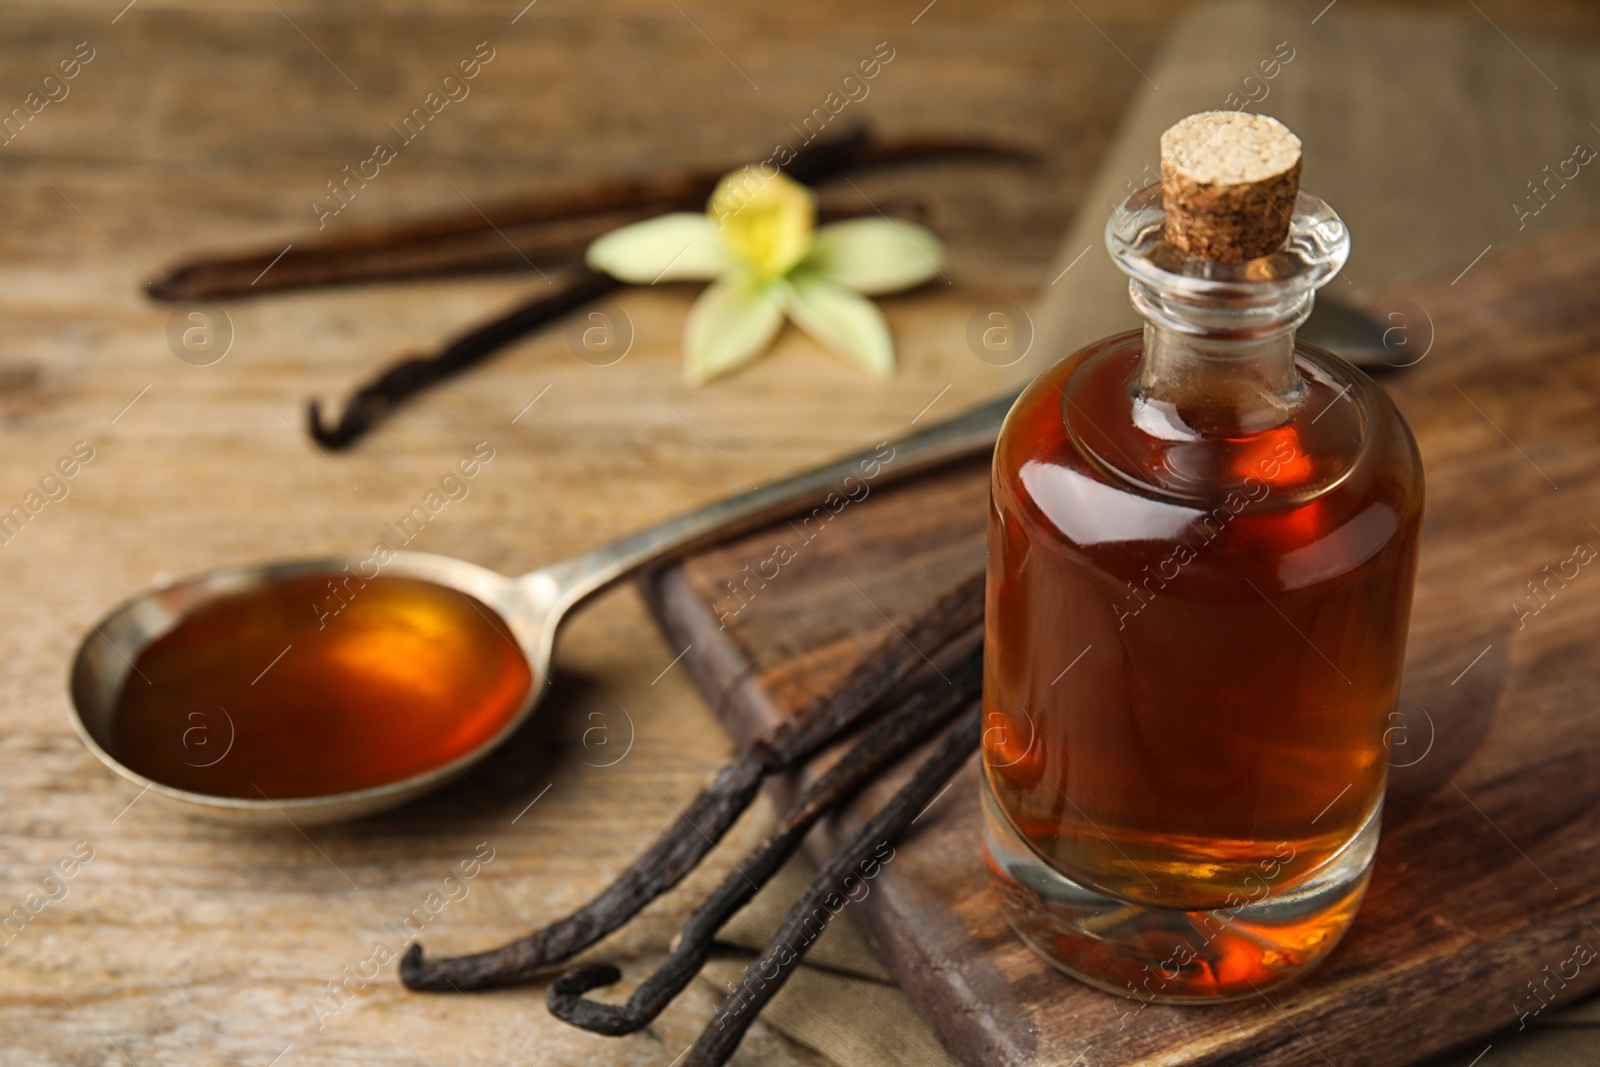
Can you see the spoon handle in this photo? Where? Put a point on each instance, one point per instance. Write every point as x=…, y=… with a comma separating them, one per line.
x=847, y=479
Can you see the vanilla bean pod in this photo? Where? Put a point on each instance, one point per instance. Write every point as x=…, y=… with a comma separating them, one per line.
x=377, y=398
x=471, y=241
x=810, y=915
x=954, y=617
x=885, y=744
x=513, y=247
x=391, y=255
x=672, y=856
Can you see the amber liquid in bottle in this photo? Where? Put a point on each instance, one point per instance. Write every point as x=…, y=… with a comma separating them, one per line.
x=294, y=690
x=1190, y=695
x=1202, y=544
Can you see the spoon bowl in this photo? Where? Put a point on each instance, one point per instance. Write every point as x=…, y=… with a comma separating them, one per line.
x=105, y=660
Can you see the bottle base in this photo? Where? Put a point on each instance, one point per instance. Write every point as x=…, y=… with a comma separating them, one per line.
x=1169, y=956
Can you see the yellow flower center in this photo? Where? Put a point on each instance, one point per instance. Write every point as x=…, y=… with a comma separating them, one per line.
x=766, y=222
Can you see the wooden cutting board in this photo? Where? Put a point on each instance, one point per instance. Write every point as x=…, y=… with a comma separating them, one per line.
x=1490, y=861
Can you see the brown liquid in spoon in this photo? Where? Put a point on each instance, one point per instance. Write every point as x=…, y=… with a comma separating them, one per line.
x=270, y=693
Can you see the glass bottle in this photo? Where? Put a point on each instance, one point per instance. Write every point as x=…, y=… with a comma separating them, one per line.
x=1202, y=542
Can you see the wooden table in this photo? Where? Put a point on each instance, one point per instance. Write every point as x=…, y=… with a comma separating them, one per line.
x=184, y=942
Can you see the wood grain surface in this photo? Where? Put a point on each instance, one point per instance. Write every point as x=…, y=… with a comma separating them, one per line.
x=1489, y=866
x=200, y=127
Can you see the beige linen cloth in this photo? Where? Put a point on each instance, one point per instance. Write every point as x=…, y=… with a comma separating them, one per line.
x=1422, y=132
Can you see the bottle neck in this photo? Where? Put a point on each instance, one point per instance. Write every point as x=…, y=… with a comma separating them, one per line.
x=1219, y=357
x=1211, y=370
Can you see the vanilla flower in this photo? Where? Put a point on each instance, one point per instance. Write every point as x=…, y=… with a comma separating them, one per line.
x=758, y=244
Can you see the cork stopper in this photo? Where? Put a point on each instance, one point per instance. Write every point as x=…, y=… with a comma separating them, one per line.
x=1228, y=185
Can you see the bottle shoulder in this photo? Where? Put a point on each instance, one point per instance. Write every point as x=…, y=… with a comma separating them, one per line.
x=1077, y=462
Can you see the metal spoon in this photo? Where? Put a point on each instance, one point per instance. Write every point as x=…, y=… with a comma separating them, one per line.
x=1370, y=343
x=533, y=606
